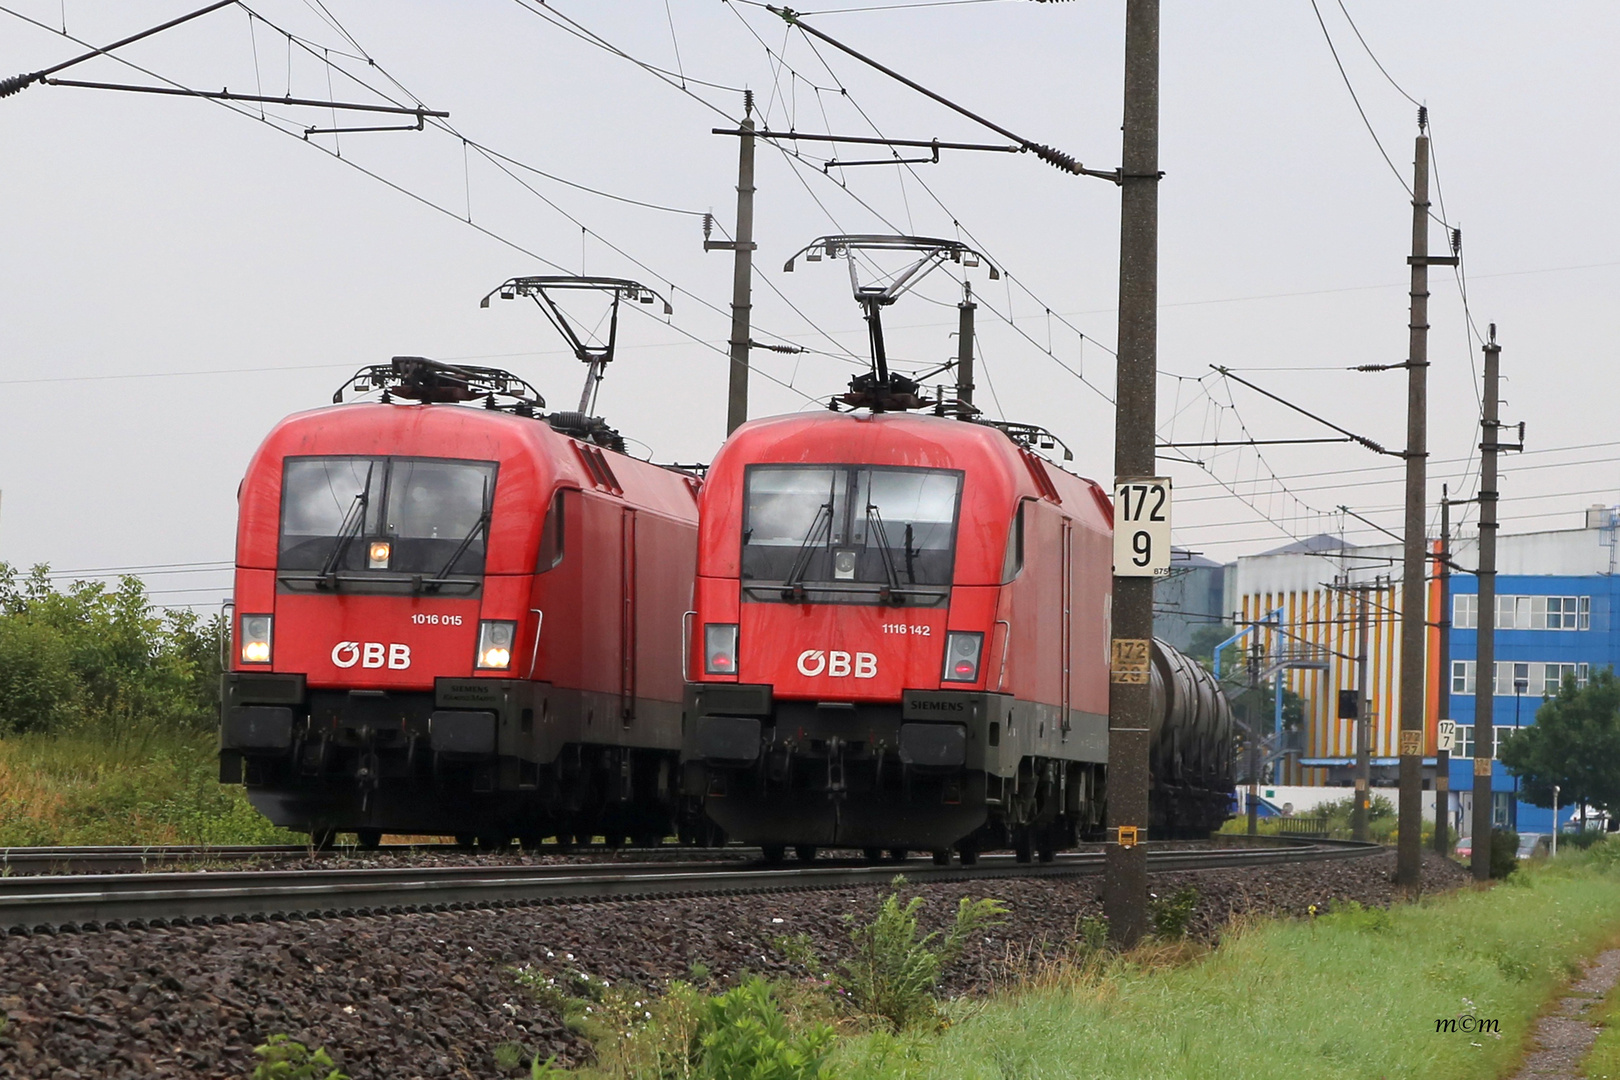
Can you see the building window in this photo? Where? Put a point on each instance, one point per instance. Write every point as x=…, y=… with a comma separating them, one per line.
x=1556, y=674
x=1465, y=611
x=1519, y=679
x=1515, y=612
x=1501, y=809
x=1465, y=742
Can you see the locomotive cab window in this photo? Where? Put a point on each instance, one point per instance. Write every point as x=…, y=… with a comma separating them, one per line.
x=551, y=535
x=1012, y=564
x=371, y=522
x=849, y=534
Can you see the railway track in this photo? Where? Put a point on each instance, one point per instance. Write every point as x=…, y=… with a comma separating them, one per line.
x=52, y=903
x=78, y=860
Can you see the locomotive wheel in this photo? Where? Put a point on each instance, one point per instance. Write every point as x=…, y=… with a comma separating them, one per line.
x=369, y=839
x=942, y=857
x=466, y=840
x=1023, y=849
x=493, y=842
x=1046, y=852
x=805, y=852
x=899, y=854
x=321, y=839
x=968, y=855
x=773, y=853
x=873, y=854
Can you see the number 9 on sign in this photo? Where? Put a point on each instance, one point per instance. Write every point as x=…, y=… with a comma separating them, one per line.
x=1142, y=526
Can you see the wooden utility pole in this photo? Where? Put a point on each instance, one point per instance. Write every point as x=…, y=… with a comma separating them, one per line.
x=1135, y=455
x=1442, y=756
x=742, y=274
x=1414, y=594
x=1485, y=651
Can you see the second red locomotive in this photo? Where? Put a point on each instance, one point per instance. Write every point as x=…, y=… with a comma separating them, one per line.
x=901, y=642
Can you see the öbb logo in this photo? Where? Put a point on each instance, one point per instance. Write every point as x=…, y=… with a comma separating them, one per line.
x=371, y=654
x=813, y=662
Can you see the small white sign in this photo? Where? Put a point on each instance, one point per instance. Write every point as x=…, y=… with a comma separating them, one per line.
x=1142, y=526
x=1448, y=735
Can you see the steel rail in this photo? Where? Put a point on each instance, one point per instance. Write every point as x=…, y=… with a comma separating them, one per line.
x=89, y=902
x=114, y=858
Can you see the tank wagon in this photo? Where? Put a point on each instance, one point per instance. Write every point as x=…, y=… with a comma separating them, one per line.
x=455, y=614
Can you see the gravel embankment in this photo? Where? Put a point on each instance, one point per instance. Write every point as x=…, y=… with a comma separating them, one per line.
x=430, y=995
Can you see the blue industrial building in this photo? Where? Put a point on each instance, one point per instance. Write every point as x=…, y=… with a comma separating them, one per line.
x=1557, y=617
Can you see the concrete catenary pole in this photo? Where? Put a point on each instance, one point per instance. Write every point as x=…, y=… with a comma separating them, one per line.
x=1485, y=652
x=1252, y=739
x=964, y=350
x=1442, y=757
x=1358, y=816
x=1129, y=703
x=742, y=274
x=1414, y=596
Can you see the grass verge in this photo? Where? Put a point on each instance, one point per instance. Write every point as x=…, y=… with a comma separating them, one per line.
x=1602, y=1062
x=134, y=787
x=1352, y=993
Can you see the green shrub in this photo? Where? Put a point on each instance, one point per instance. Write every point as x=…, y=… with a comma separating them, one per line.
x=1171, y=914
x=748, y=1038
x=893, y=973
x=1582, y=840
x=1504, y=852
x=280, y=1058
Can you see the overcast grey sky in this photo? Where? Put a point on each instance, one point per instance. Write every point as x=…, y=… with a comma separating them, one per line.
x=176, y=276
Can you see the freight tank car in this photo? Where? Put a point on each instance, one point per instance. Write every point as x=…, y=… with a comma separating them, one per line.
x=457, y=615
x=901, y=642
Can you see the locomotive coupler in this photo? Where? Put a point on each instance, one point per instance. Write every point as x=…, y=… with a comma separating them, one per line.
x=835, y=765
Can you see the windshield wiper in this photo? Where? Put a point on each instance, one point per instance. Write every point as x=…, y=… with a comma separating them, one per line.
x=792, y=585
x=874, y=521
x=461, y=549
x=353, y=521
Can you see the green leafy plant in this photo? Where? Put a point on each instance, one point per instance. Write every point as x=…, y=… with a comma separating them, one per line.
x=1171, y=914
x=893, y=973
x=1351, y=913
x=748, y=1038
x=508, y=1056
x=1091, y=933
x=1504, y=852
x=281, y=1058
x=798, y=950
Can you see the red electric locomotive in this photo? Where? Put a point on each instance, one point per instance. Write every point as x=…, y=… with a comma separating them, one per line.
x=458, y=620
x=901, y=640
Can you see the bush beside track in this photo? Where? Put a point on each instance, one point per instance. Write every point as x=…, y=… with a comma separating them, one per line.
x=107, y=715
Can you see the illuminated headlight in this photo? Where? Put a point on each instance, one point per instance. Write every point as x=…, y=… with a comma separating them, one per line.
x=378, y=554
x=253, y=636
x=962, y=650
x=844, y=565
x=495, y=644
x=720, y=648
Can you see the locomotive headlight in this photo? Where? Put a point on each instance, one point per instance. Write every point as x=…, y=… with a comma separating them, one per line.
x=378, y=553
x=962, y=649
x=844, y=565
x=253, y=635
x=720, y=648
x=495, y=639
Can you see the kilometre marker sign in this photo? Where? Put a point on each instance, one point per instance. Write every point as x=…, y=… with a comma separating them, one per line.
x=1142, y=527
